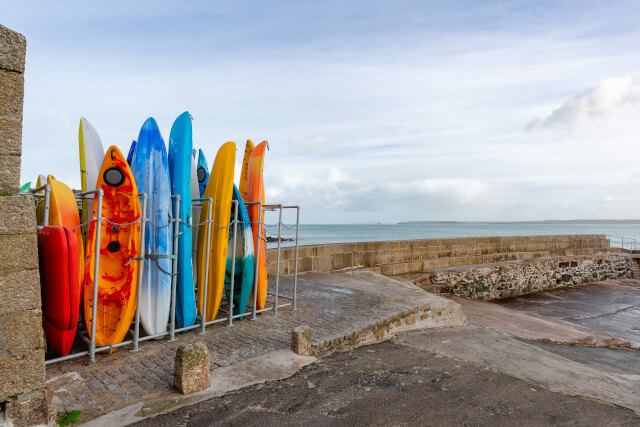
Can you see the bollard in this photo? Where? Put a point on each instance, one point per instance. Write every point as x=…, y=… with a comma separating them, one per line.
x=301, y=341
x=192, y=372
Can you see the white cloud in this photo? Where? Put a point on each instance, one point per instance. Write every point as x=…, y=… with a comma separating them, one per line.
x=310, y=145
x=612, y=96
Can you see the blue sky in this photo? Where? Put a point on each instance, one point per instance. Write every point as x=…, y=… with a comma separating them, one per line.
x=374, y=111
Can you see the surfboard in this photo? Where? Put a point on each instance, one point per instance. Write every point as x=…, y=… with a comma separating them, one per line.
x=245, y=169
x=150, y=169
x=195, y=218
x=63, y=211
x=131, y=151
x=180, y=146
x=243, y=257
x=117, y=281
x=203, y=172
x=58, y=255
x=91, y=157
x=220, y=189
x=255, y=193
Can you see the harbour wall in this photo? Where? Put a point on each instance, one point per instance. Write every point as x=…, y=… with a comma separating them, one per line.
x=393, y=258
x=23, y=398
x=483, y=268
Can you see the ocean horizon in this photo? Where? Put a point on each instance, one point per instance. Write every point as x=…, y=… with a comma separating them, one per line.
x=622, y=233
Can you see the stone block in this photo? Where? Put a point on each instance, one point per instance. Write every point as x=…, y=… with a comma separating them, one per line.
x=323, y=263
x=10, y=136
x=19, y=374
x=342, y=261
x=13, y=48
x=28, y=409
x=17, y=215
x=21, y=333
x=192, y=372
x=301, y=341
x=19, y=251
x=11, y=94
x=9, y=174
x=20, y=290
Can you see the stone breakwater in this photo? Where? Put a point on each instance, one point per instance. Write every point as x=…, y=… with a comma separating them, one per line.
x=509, y=279
x=393, y=258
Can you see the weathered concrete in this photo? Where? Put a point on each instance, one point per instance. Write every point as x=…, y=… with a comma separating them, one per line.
x=393, y=258
x=612, y=307
x=191, y=371
x=528, y=325
x=301, y=341
x=509, y=279
x=495, y=350
x=396, y=384
x=342, y=310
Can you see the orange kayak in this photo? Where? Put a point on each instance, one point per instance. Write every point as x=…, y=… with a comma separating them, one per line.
x=255, y=193
x=119, y=246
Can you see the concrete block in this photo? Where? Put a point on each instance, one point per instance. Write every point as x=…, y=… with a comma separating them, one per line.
x=10, y=136
x=9, y=174
x=20, y=290
x=28, y=409
x=341, y=261
x=192, y=372
x=11, y=94
x=19, y=251
x=301, y=341
x=13, y=48
x=17, y=215
x=21, y=333
x=19, y=374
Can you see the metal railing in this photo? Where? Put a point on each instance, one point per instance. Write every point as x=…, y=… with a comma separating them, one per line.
x=44, y=191
x=628, y=243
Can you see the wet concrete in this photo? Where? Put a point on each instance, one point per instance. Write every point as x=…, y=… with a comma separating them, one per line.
x=612, y=307
x=400, y=382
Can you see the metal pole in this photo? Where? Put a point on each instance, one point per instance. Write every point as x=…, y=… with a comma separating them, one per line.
x=206, y=268
x=47, y=203
x=233, y=261
x=143, y=245
x=257, y=272
x=295, y=277
x=174, y=271
x=275, y=307
x=96, y=278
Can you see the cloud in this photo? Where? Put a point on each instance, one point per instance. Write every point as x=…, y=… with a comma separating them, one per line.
x=310, y=145
x=611, y=97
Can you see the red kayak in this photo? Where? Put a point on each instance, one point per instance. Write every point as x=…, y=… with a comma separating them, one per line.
x=58, y=253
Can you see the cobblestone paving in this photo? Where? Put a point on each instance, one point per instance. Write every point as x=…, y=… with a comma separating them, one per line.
x=120, y=379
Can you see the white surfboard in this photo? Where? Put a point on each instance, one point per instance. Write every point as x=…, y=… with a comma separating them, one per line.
x=91, y=157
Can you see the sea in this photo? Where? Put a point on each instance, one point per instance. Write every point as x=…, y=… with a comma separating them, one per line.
x=621, y=235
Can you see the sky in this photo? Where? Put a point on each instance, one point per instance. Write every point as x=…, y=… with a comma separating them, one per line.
x=375, y=111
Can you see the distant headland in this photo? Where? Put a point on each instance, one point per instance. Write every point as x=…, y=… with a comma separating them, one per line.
x=546, y=221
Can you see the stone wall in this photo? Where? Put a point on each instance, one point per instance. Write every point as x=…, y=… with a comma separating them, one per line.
x=394, y=258
x=510, y=279
x=22, y=369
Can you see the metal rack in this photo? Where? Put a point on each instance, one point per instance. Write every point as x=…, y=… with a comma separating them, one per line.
x=44, y=191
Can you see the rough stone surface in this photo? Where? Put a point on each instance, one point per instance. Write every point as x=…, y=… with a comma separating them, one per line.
x=20, y=333
x=13, y=47
x=10, y=136
x=28, y=409
x=9, y=174
x=17, y=215
x=11, y=94
x=503, y=280
x=192, y=372
x=301, y=340
x=19, y=252
x=21, y=373
x=20, y=290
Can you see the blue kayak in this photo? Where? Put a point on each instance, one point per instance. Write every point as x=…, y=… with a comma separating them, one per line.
x=150, y=170
x=180, y=145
